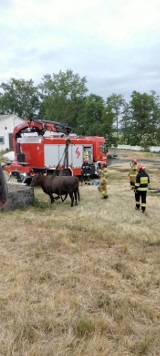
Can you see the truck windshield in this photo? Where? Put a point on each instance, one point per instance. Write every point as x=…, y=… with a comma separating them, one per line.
x=87, y=154
x=103, y=148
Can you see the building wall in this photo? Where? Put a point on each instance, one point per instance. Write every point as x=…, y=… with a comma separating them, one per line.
x=139, y=148
x=7, y=124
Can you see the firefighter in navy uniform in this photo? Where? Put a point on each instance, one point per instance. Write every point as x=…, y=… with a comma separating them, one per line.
x=141, y=187
x=86, y=172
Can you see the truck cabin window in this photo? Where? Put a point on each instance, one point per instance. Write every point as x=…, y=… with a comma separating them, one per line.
x=87, y=154
x=103, y=148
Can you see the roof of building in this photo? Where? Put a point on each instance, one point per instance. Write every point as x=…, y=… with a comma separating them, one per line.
x=11, y=116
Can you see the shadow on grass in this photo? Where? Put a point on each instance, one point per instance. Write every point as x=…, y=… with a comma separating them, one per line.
x=153, y=243
x=40, y=205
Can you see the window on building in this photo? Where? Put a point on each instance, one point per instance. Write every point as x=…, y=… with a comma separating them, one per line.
x=1, y=140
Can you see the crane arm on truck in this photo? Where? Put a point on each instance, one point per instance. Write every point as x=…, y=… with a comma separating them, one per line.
x=41, y=126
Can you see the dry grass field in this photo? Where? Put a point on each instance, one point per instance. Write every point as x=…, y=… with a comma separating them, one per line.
x=82, y=280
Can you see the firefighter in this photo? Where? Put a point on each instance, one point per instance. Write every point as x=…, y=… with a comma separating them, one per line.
x=133, y=173
x=103, y=171
x=3, y=190
x=141, y=187
x=86, y=156
x=86, y=172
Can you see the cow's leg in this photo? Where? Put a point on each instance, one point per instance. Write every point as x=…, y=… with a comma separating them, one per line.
x=72, y=198
x=65, y=197
x=51, y=197
x=56, y=198
x=75, y=196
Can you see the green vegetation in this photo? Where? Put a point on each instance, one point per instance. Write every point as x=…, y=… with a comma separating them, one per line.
x=63, y=97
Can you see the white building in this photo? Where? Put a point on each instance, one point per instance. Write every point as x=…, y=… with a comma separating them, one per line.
x=7, y=124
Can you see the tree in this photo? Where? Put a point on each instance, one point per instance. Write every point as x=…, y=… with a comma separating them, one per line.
x=142, y=117
x=91, y=120
x=19, y=97
x=115, y=104
x=107, y=127
x=126, y=126
x=97, y=118
x=62, y=97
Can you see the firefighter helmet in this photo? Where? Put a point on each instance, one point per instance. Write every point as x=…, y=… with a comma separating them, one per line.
x=134, y=161
x=140, y=166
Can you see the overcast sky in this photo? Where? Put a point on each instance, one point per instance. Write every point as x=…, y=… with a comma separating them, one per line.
x=115, y=44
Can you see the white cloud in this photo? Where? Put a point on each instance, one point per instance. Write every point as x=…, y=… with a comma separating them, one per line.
x=114, y=43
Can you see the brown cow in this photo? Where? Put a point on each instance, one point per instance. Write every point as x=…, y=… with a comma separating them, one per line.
x=60, y=185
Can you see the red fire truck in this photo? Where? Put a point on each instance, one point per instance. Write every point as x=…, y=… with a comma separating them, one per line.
x=50, y=147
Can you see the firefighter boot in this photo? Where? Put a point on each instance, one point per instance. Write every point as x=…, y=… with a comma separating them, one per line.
x=137, y=207
x=143, y=208
x=105, y=196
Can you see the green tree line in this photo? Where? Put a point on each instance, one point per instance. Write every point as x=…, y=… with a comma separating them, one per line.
x=64, y=97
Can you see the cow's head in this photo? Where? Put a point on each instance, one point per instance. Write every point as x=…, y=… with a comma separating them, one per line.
x=36, y=180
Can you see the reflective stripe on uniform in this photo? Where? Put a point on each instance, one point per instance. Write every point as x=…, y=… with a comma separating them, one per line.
x=142, y=189
x=143, y=180
x=143, y=205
